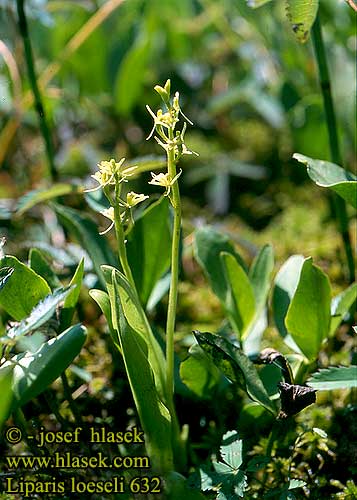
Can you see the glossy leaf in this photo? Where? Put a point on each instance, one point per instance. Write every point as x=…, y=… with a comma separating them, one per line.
x=150, y=238
x=39, y=263
x=138, y=322
x=199, y=373
x=236, y=366
x=41, y=313
x=335, y=377
x=71, y=299
x=340, y=306
x=308, y=316
x=332, y=176
x=33, y=373
x=6, y=394
x=154, y=415
x=285, y=285
x=302, y=14
x=41, y=195
x=23, y=290
x=86, y=233
x=242, y=306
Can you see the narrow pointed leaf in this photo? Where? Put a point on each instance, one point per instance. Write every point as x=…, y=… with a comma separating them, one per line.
x=308, y=316
x=71, y=299
x=23, y=290
x=332, y=176
x=102, y=299
x=260, y=275
x=39, y=263
x=41, y=195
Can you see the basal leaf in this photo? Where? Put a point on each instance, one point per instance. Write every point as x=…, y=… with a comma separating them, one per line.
x=34, y=372
x=340, y=306
x=302, y=14
x=6, y=394
x=308, y=316
x=150, y=238
x=36, y=196
x=154, y=415
x=236, y=366
x=102, y=299
x=23, y=290
x=332, y=176
x=335, y=377
x=240, y=301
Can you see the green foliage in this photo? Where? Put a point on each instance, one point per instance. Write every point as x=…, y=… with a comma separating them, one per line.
x=34, y=372
x=41, y=195
x=39, y=263
x=302, y=14
x=340, y=306
x=154, y=415
x=334, y=377
x=150, y=238
x=71, y=298
x=308, y=315
x=330, y=175
x=23, y=289
x=6, y=394
x=236, y=366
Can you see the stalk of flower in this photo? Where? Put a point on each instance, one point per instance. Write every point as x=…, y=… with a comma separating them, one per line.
x=172, y=141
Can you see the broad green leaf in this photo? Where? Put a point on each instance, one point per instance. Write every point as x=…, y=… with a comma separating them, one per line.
x=236, y=366
x=335, y=377
x=138, y=322
x=208, y=246
x=34, y=372
x=6, y=394
x=243, y=306
x=129, y=80
x=162, y=286
x=38, y=262
x=302, y=14
x=340, y=306
x=36, y=196
x=150, y=238
x=23, y=290
x=154, y=415
x=86, y=233
x=232, y=449
x=332, y=176
x=308, y=316
x=102, y=299
x=285, y=285
x=71, y=299
x=41, y=313
x=199, y=373
x=260, y=275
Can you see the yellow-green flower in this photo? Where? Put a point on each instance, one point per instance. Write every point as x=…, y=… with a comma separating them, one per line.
x=133, y=199
x=111, y=172
x=164, y=180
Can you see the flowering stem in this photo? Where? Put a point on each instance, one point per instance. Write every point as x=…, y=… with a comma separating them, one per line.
x=171, y=311
x=119, y=232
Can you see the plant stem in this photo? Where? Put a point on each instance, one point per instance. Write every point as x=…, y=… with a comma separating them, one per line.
x=171, y=311
x=325, y=84
x=68, y=396
x=35, y=90
x=123, y=258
